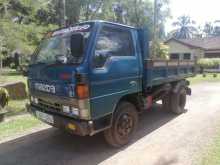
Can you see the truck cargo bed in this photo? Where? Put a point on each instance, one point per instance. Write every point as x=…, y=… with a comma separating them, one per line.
x=157, y=72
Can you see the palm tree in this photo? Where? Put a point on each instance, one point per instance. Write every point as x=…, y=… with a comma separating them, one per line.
x=208, y=29
x=185, y=28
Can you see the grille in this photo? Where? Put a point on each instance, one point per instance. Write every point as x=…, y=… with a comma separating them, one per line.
x=49, y=105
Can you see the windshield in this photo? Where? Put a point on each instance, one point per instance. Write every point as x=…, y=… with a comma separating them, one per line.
x=58, y=46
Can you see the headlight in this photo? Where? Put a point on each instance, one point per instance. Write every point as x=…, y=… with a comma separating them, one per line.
x=71, y=110
x=36, y=100
x=82, y=109
x=75, y=111
x=66, y=109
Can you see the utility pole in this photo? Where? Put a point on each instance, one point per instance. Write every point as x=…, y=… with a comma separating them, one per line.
x=155, y=28
x=155, y=17
x=64, y=12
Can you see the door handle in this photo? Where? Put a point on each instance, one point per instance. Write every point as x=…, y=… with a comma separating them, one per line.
x=133, y=83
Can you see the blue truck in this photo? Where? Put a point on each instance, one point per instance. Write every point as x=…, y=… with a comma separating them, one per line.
x=97, y=76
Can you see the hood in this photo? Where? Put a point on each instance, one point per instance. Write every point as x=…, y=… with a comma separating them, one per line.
x=56, y=79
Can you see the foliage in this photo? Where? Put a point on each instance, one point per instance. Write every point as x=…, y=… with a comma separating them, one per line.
x=3, y=49
x=209, y=63
x=212, y=29
x=22, y=37
x=18, y=27
x=185, y=28
x=10, y=76
x=208, y=29
x=161, y=50
x=24, y=22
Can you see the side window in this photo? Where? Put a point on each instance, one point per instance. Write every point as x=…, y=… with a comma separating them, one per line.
x=174, y=56
x=112, y=42
x=186, y=56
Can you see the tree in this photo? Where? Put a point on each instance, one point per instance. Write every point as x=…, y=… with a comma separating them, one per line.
x=2, y=50
x=217, y=28
x=208, y=29
x=139, y=13
x=92, y=9
x=19, y=29
x=119, y=12
x=24, y=22
x=185, y=28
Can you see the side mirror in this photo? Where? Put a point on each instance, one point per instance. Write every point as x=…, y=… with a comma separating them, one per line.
x=100, y=59
x=77, y=44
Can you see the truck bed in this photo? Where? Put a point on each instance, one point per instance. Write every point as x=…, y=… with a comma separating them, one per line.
x=157, y=72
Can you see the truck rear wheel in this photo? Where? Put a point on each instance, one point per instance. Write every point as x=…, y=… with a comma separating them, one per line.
x=178, y=101
x=124, y=125
x=166, y=103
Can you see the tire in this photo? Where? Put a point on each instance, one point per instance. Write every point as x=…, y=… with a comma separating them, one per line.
x=125, y=121
x=178, y=101
x=166, y=103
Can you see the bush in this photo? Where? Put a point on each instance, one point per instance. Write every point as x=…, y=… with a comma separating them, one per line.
x=12, y=66
x=209, y=63
x=161, y=51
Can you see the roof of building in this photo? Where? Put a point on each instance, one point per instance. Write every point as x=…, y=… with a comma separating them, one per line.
x=208, y=43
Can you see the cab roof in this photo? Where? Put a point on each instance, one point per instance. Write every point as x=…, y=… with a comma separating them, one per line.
x=96, y=22
x=109, y=22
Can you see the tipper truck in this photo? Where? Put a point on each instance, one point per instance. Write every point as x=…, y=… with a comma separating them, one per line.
x=97, y=76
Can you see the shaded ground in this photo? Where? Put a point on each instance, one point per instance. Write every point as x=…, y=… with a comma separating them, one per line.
x=162, y=139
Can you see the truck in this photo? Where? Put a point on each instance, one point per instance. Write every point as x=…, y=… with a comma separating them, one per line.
x=97, y=76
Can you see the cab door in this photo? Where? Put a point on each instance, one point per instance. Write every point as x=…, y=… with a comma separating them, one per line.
x=115, y=70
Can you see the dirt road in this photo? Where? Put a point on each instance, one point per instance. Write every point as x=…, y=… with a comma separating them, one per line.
x=162, y=139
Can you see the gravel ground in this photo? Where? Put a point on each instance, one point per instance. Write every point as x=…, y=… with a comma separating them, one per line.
x=162, y=139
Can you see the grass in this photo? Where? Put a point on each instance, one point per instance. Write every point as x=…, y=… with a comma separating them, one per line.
x=16, y=107
x=17, y=125
x=209, y=78
x=11, y=75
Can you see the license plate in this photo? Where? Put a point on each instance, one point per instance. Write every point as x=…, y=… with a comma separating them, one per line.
x=45, y=117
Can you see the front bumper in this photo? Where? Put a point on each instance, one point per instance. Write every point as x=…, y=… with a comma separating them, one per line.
x=78, y=127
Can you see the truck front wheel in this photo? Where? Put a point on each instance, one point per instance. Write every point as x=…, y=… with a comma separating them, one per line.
x=124, y=125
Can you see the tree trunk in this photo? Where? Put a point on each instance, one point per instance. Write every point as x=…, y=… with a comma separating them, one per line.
x=1, y=65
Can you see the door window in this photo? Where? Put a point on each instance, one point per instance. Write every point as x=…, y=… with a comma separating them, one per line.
x=112, y=42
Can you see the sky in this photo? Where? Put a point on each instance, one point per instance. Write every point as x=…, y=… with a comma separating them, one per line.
x=200, y=11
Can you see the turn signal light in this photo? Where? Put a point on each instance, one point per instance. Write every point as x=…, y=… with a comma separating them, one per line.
x=82, y=91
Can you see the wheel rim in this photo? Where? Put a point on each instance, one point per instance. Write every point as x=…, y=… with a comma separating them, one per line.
x=125, y=125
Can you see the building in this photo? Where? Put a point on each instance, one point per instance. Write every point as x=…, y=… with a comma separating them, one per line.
x=189, y=49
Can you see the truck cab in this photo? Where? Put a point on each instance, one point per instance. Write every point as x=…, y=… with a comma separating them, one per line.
x=90, y=78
